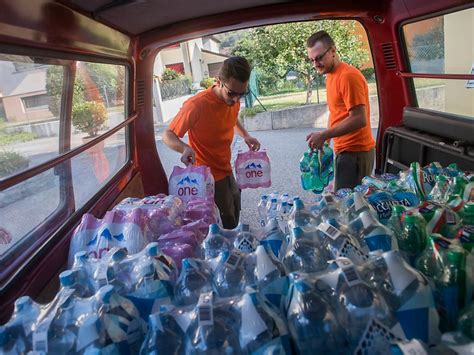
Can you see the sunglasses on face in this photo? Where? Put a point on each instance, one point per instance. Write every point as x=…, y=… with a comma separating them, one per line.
x=320, y=57
x=233, y=94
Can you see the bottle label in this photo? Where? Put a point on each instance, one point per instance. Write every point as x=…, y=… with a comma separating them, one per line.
x=205, y=312
x=102, y=274
x=252, y=323
x=376, y=339
x=348, y=270
x=351, y=251
x=329, y=230
x=233, y=260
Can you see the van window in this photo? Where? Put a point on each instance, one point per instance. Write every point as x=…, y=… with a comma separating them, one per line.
x=443, y=45
x=34, y=129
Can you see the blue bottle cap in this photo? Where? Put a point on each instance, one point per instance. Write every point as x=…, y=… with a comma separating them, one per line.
x=22, y=303
x=152, y=249
x=3, y=336
x=299, y=204
x=297, y=232
x=81, y=256
x=66, y=278
x=119, y=254
x=106, y=293
x=214, y=228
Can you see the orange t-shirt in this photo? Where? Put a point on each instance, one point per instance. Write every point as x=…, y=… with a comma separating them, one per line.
x=210, y=125
x=346, y=87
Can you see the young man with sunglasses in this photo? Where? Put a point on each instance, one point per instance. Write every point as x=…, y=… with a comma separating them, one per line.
x=210, y=119
x=349, y=113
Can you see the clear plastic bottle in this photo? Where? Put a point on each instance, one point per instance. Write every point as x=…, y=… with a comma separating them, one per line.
x=303, y=254
x=376, y=235
x=195, y=277
x=229, y=276
x=302, y=218
x=273, y=239
x=312, y=323
x=395, y=220
x=215, y=243
x=262, y=210
x=441, y=190
x=412, y=239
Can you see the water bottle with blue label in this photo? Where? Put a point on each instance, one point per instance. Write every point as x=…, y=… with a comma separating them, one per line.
x=311, y=321
x=214, y=327
x=274, y=239
x=408, y=293
x=302, y=218
x=262, y=210
x=376, y=235
x=261, y=329
x=195, y=276
x=215, y=242
x=338, y=244
x=16, y=335
x=229, y=274
x=245, y=240
x=303, y=253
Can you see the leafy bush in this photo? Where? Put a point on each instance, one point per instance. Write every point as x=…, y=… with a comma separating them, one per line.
x=368, y=73
x=207, y=82
x=12, y=137
x=89, y=117
x=169, y=74
x=251, y=111
x=11, y=162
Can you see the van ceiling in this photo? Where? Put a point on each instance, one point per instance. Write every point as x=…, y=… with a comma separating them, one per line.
x=139, y=16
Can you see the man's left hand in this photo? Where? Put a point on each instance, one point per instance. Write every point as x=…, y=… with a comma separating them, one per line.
x=252, y=143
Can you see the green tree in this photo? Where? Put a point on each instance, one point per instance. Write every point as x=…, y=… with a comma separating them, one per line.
x=276, y=50
x=54, y=87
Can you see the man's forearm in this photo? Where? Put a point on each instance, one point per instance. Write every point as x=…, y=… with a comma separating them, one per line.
x=173, y=141
x=241, y=131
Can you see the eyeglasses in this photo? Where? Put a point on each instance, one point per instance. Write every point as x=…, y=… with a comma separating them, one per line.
x=320, y=57
x=232, y=94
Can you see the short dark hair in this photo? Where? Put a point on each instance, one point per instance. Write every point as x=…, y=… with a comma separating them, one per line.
x=320, y=36
x=235, y=67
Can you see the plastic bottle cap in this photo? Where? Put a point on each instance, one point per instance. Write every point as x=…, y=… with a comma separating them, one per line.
x=214, y=228
x=66, y=278
x=106, y=292
x=119, y=254
x=81, y=256
x=299, y=204
x=297, y=232
x=22, y=303
x=152, y=249
x=3, y=335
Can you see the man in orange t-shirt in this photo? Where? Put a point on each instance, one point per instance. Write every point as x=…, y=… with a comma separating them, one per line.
x=210, y=118
x=349, y=113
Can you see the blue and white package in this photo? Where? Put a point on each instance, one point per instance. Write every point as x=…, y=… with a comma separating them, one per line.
x=383, y=202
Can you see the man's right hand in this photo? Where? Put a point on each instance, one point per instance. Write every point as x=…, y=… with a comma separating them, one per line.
x=188, y=156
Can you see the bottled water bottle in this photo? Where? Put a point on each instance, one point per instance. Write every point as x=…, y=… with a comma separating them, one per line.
x=312, y=323
x=195, y=277
x=376, y=235
x=283, y=213
x=165, y=332
x=262, y=210
x=273, y=239
x=214, y=328
x=361, y=310
x=303, y=254
x=303, y=219
x=412, y=240
x=430, y=261
x=395, y=220
x=215, y=243
x=452, y=286
x=407, y=293
x=245, y=241
x=272, y=206
x=441, y=190
x=337, y=244
x=229, y=276
x=261, y=329
x=122, y=321
x=15, y=336
x=268, y=268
